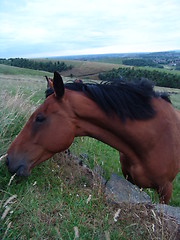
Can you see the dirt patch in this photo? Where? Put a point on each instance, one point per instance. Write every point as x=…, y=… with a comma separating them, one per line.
x=87, y=69
x=74, y=172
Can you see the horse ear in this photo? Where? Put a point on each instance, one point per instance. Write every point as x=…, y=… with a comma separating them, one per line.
x=58, y=85
x=49, y=82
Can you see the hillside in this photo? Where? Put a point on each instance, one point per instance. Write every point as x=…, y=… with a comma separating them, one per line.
x=87, y=69
x=84, y=69
x=90, y=66
x=60, y=196
x=10, y=70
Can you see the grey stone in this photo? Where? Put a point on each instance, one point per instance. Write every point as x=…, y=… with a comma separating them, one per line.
x=120, y=190
x=173, y=212
x=99, y=172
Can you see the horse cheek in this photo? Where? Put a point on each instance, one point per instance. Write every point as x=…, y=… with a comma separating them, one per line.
x=59, y=139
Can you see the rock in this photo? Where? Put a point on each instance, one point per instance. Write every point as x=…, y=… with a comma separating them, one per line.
x=99, y=173
x=120, y=190
x=171, y=213
x=84, y=156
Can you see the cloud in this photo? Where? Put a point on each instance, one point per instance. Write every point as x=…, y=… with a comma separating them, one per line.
x=61, y=27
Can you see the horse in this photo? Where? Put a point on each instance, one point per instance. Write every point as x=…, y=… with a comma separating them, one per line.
x=130, y=117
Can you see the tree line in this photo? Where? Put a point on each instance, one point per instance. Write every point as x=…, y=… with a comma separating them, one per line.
x=138, y=62
x=48, y=66
x=159, y=78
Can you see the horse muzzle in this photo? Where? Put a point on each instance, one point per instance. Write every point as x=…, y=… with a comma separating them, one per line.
x=17, y=166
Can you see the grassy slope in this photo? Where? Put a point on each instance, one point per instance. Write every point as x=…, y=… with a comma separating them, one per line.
x=81, y=68
x=119, y=62
x=53, y=200
x=9, y=70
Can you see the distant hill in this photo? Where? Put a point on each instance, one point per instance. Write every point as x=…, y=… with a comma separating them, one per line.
x=90, y=66
x=169, y=59
x=92, y=57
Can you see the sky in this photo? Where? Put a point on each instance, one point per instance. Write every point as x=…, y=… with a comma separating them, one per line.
x=44, y=28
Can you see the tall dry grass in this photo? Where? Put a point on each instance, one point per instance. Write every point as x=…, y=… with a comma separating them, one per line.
x=14, y=112
x=15, y=109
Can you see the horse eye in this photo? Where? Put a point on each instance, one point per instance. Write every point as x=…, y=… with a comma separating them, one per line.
x=40, y=118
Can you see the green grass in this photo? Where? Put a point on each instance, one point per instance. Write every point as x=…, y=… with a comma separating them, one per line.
x=9, y=70
x=176, y=72
x=45, y=204
x=49, y=204
x=53, y=199
x=175, y=98
x=93, y=152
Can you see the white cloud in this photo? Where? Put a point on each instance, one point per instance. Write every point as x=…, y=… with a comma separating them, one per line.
x=87, y=26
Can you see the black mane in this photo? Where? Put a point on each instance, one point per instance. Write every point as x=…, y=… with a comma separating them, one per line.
x=127, y=99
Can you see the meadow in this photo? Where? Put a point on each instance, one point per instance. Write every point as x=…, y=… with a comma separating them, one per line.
x=59, y=200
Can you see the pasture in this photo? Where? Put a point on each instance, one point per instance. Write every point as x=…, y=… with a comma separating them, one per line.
x=58, y=198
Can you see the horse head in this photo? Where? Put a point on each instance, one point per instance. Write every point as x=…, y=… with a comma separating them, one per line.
x=41, y=138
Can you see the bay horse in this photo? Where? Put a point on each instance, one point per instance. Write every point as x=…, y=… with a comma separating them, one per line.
x=132, y=118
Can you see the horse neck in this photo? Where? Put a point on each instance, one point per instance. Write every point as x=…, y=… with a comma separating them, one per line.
x=91, y=121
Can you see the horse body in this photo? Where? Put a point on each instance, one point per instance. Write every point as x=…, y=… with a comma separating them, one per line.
x=149, y=149
x=148, y=159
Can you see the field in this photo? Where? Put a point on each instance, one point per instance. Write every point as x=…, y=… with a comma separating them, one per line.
x=59, y=200
x=85, y=69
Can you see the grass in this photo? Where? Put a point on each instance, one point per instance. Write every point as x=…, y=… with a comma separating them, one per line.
x=10, y=70
x=93, y=153
x=50, y=204
x=46, y=204
x=52, y=201
x=114, y=60
x=18, y=99
x=176, y=72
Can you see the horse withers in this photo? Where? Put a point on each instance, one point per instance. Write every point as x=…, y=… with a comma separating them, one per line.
x=132, y=118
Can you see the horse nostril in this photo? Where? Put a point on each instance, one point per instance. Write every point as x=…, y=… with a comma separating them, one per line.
x=7, y=161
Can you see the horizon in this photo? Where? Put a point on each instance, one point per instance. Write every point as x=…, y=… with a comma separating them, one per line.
x=95, y=54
